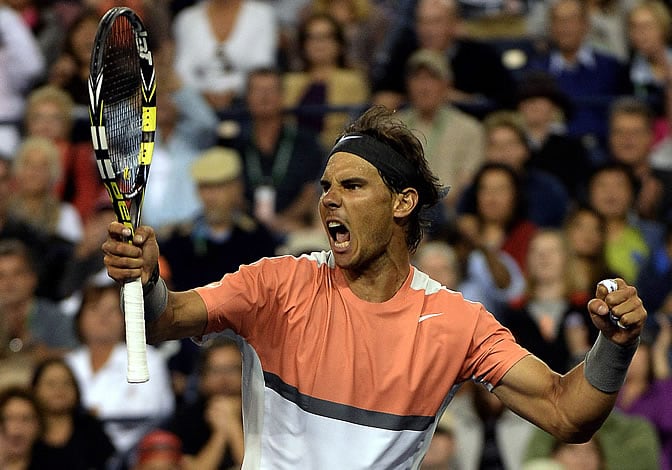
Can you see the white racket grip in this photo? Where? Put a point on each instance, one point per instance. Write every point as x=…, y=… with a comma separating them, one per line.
x=611, y=286
x=136, y=343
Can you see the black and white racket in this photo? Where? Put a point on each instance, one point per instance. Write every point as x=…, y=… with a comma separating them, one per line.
x=122, y=97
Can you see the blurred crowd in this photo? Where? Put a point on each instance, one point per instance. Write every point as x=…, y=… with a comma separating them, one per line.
x=548, y=122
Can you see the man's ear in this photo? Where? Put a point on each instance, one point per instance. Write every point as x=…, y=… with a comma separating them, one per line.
x=405, y=202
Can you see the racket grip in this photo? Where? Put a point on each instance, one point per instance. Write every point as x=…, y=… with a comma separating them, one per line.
x=136, y=344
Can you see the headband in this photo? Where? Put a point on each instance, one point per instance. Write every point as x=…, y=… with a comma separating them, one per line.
x=387, y=160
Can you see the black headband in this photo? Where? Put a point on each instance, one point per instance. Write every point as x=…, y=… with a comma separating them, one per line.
x=387, y=160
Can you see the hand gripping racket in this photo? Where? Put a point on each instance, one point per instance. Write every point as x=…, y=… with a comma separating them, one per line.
x=122, y=97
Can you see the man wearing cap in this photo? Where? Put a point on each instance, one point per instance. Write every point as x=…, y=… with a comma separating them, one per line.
x=453, y=140
x=350, y=356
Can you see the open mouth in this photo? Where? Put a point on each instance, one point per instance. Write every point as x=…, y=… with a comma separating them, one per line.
x=339, y=233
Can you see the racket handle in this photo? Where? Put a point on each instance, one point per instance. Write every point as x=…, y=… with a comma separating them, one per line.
x=136, y=344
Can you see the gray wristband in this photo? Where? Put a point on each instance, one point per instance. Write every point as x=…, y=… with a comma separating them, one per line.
x=607, y=363
x=156, y=300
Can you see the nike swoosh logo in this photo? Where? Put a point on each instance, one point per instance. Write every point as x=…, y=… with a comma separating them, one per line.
x=428, y=316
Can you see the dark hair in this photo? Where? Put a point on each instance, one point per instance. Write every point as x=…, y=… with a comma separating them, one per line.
x=42, y=367
x=631, y=106
x=339, y=36
x=15, y=247
x=618, y=167
x=381, y=124
x=25, y=394
x=92, y=293
x=519, y=201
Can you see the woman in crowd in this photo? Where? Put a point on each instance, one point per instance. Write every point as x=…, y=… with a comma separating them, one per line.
x=72, y=438
x=21, y=426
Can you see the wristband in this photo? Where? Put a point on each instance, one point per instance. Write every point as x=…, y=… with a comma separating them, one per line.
x=156, y=300
x=607, y=363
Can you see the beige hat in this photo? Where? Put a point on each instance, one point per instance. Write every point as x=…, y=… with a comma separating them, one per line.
x=433, y=61
x=216, y=165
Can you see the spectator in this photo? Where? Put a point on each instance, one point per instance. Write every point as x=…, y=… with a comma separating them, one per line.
x=586, y=233
x=648, y=384
x=631, y=135
x=211, y=427
x=324, y=80
x=650, y=64
x=453, y=140
x=655, y=279
x=186, y=126
x=544, y=109
x=488, y=435
x=72, y=438
x=21, y=425
x=490, y=277
x=71, y=70
x=499, y=221
x=545, y=198
x=442, y=452
x=589, y=77
x=364, y=22
x=627, y=442
x=548, y=321
x=21, y=65
x=219, y=41
x=216, y=242
x=481, y=82
x=50, y=114
x=612, y=193
x=36, y=170
x=53, y=253
x=32, y=327
x=586, y=456
x=282, y=160
x=127, y=410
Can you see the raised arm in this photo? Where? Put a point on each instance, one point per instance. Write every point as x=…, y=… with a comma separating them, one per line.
x=573, y=406
x=170, y=315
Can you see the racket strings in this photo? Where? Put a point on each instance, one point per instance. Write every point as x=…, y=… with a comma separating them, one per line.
x=122, y=96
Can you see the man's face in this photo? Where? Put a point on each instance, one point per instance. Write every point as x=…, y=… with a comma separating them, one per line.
x=610, y=194
x=17, y=280
x=630, y=138
x=222, y=374
x=356, y=208
x=568, y=26
x=221, y=200
x=264, y=97
x=426, y=91
x=436, y=24
x=503, y=145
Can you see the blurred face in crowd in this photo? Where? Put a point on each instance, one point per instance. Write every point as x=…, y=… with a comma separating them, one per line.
x=630, y=138
x=436, y=23
x=17, y=280
x=221, y=200
x=495, y=196
x=438, y=262
x=584, y=456
x=645, y=31
x=504, y=145
x=222, y=372
x=33, y=175
x=547, y=257
x=264, y=95
x=426, y=90
x=611, y=194
x=20, y=427
x=568, y=25
x=47, y=119
x=101, y=320
x=538, y=111
x=321, y=46
x=585, y=234
x=56, y=389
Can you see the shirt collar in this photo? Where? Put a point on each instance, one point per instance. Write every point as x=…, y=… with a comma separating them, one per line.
x=585, y=58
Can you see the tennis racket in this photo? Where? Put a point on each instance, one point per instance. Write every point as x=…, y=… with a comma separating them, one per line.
x=122, y=97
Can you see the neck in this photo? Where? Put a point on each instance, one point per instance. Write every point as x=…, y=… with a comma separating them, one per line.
x=59, y=428
x=321, y=72
x=100, y=353
x=267, y=132
x=550, y=290
x=427, y=115
x=380, y=280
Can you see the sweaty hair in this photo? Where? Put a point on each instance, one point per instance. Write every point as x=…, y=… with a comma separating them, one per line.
x=379, y=122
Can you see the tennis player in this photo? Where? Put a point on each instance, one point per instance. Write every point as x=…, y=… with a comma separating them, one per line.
x=351, y=355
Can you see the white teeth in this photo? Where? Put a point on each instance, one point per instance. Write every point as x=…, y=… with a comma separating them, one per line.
x=334, y=224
